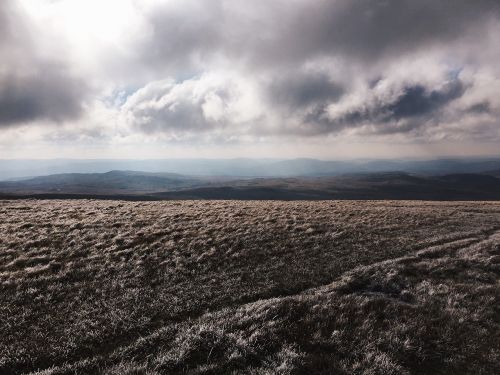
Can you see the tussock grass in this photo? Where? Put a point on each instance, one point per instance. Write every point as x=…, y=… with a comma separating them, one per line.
x=249, y=287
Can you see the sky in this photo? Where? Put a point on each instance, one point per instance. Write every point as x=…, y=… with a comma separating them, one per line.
x=329, y=79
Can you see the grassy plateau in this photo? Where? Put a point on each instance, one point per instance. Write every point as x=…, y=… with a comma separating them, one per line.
x=249, y=287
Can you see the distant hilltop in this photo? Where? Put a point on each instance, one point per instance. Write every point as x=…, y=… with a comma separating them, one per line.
x=138, y=185
x=246, y=167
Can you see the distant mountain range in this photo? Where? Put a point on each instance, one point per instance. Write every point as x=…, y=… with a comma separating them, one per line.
x=16, y=169
x=135, y=185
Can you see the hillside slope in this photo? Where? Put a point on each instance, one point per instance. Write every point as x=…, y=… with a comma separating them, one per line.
x=130, y=185
x=249, y=287
x=113, y=182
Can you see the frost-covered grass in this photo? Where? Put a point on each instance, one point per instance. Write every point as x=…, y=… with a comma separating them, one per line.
x=249, y=287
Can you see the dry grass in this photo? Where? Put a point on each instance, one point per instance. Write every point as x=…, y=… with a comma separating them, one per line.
x=249, y=287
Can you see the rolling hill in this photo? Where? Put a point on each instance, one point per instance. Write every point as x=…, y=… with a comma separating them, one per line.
x=247, y=167
x=158, y=186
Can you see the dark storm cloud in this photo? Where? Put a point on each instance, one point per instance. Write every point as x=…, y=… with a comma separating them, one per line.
x=418, y=101
x=290, y=33
x=482, y=107
x=370, y=29
x=184, y=33
x=297, y=90
x=412, y=108
x=50, y=95
x=32, y=88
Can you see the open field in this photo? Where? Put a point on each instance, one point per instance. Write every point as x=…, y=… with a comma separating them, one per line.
x=259, y=287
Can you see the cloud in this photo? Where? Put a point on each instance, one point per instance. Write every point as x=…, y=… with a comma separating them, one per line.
x=261, y=34
x=481, y=107
x=305, y=104
x=45, y=94
x=418, y=101
x=33, y=87
x=391, y=109
x=309, y=61
x=238, y=70
x=374, y=29
x=210, y=102
x=181, y=35
x=297, y=90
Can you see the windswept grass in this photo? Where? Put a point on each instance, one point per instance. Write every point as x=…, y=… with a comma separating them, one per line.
x=249, y=287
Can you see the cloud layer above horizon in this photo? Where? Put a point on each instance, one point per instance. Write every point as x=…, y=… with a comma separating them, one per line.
x=213, y=73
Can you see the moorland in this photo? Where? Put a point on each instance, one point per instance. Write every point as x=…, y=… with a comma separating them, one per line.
x=139, y=185
x=257, y=287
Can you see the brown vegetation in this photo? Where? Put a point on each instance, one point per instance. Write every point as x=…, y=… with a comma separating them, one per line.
x=249, y=287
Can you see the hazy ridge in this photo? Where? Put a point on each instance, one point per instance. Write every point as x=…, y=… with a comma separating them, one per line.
x=246, y=167
x=156, y=186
